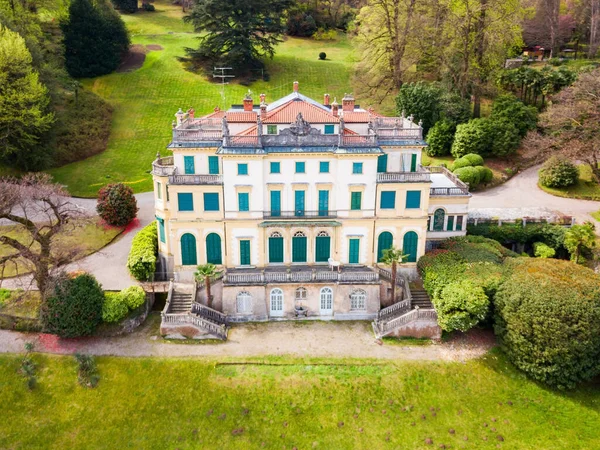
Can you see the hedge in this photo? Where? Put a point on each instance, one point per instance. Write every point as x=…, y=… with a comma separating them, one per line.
x=113, y=309
x=461, y=305
x=133, y=297
x=141, y=261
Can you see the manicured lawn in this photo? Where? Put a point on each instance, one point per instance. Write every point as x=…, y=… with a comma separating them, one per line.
x=585, y=188
x=146, y=99
x=87, y=238
x=197, y=404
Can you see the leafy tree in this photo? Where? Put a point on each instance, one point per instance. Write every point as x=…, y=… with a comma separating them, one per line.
x=203, y=274
x=440, y=138
x=73, y=307
x=391, y=257
x=455, y=108
x=301, y=23
x=579, y=238
x=510, y=108
x=558, y=172
x=548, y=320
x=95, y=38
x=422, y=101
x=117, y=205
x=236, y=33
x=24, y=116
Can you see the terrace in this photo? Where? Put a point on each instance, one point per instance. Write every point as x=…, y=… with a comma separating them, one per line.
x=300, y=274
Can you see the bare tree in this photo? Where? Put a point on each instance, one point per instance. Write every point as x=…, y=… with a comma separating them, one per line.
x=43, y=211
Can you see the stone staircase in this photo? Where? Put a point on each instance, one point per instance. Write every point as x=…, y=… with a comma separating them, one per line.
x=420, y=298
x=181, y=302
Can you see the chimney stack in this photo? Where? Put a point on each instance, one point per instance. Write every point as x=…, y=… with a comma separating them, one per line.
x=334, y=107
x=348, y=103
x=179, y=116
x=191, y=113
x=263, y=97
x=248, y=103
x=295, y=86
x=326, y=99
x=263, y=110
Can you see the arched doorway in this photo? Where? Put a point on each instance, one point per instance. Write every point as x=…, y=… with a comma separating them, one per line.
x=299, y=247
x=213, y=249
x=188, y=250
x=326, y=301
x=322, y=247
x=438, y=219
x=409, y=246
x=276, y=302
x=383, y=243
x=276, y=247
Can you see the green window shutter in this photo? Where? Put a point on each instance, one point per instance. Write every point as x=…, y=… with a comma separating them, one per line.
x=409, y=246
x=242, y=169
x=243, y=201
x=275, y=167
x=245, y=253
x=388, y=200
x=413, y=199
x=413, y=162
x=438, y=219
x=383, y=243
x=188, y=163
x=211, y=201
x=271, y=129
x=324, y=167
x=322, y=248
x=299, y=249
x=355, y=200
x=323, y=203
x=213, y=165
x=188, y=250
x=185, y=200
x=459, y=223
x=158, y=190
x=275, y=249
x=298, y=203
x=357, y=167
x=450, y=224
x=353, y=254
x=161, y=229
x=382, y=163
x=300, y=167
x=213, y=249
x=275, y=203
x=329, y=129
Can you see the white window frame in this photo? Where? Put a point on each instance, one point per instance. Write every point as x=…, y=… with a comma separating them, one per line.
x=326, y=301
x=243, y=302
x=358, y=300
x=276, y=302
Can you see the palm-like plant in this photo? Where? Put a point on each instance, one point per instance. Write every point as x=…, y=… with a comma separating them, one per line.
x=204, y=273
x=391, y=257
x=580, y=237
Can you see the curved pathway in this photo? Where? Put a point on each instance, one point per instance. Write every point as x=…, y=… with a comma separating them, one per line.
x=522, y=191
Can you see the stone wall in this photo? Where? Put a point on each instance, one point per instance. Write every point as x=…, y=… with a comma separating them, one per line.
x=419, y=329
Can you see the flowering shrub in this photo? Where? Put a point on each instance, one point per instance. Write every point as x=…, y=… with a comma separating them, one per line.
x=117, y=205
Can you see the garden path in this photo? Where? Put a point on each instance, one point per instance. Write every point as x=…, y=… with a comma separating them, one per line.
x=315, y=339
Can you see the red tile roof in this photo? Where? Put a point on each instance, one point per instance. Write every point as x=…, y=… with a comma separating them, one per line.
x=215, y=115
x=241, y=116
x=288, y=112
x=356, y=117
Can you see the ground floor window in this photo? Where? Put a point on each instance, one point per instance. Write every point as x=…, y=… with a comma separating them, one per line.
x=326, y=299
x=244, y=302
x=358, y=300
x=276, y=302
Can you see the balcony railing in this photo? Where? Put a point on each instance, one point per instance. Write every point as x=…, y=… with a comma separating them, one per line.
x=449, y=175
x=455, y=191
x=403, y=177
x=196, y=179
x=305, y=276
x=300, y=214
x=360, y=140
x=163, y=167
x=197, y=135
x=395, y=133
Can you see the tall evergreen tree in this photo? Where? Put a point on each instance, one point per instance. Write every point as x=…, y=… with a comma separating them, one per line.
x=24, y=115
x=95, y=38
x=238, y=33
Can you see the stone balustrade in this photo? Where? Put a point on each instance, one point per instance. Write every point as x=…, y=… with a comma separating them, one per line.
x=305, y=276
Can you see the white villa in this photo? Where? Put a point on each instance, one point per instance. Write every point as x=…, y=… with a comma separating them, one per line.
x=280, y=194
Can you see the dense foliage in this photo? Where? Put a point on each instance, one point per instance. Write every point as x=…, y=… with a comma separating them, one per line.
x=422, y=101
x=141, y=261
x=118, y=304
x=580, y=239
x=548, y=320
x=95, y=38
x=133, y=297
x=117, y=205
x=511, y=109
x=127, y=6
x=495, y=137
x=541, y=250
x=558, y=172
x=73, y=307
x=440, y=137
x=301, y=23
x=461, y=305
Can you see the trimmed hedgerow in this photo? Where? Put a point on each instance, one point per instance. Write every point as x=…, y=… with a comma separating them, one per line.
x=113, y=309
x=141, y=262
x=548, y=320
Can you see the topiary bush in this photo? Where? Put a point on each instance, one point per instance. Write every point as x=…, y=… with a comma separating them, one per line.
x=504, y=136
x=475, y=136
x=133, y=297
x=548, y=320
x=117, y=205
x=73, y=307
x=141, y=261
x=113, y=309
x=469, y=175
x=541, y=250
x=510, y=108
x=461, y=305
x=485, y=174
x=322, y=56
x=473, y=159
x=558, y=172
x=440, y=137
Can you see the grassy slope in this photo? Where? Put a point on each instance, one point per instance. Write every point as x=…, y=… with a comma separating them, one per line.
x=175, y=403
x=145, y=100
x=585, y=188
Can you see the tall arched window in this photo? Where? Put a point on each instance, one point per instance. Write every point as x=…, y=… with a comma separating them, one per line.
x=276, y=247
x=213, y=249
x=383, y=243
x=276, y=302
x=326, y=300
x=322, y=247
x=243, y=302
x=358, y=300
x=410, y=245
x=438, y=219
x=189, y=256
x=299, y=247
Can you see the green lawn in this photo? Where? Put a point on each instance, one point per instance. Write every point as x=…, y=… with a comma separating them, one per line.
x=201, y=404
x=19, y=303
x=87, y=238
x=585, y=188
x=146, y=100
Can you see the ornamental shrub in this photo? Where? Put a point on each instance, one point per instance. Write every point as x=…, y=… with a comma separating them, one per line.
x=322, y=56
x=141, y=261
x=548, y=320
x=469, y=175
x=461, y=305
x=541, y=250
x=127, y=6
x=113, y=309
x=440, y=137
x=558, y=172
x=117, y=205
x=133, y=297
x=73, y=307
x=473, y=159
x=485, y=174
x=505, y=138
x=509, y=107
x=475, y=136
x=459, y=163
